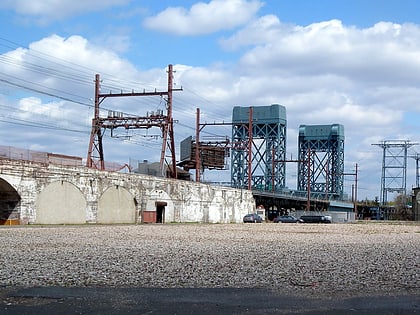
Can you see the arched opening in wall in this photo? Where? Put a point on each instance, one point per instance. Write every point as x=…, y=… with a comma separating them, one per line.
x=9, y=202
x=160, y=211
x=116, y=206
x=60, y=202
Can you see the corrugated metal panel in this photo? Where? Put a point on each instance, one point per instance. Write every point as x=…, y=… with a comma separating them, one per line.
x=186, y=149
x=321, y=132
x=260, y=114
x=340, y=206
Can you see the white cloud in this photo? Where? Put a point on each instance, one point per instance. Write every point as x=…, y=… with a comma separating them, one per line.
x=204, y=18
x=323, y=73
x=76, y=49
x=257, y=32
x=384, y=53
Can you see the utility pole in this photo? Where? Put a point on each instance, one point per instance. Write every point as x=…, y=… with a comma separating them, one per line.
x=95, y=157
x=197, y=148
x=354, y=195
x=308, y=190
x=208, y=154
x=250, y=149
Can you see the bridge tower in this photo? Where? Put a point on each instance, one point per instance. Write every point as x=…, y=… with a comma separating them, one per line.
x=259, y=147
x=321, y=160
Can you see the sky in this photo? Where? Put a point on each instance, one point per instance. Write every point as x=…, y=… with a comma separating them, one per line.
x=352, y=62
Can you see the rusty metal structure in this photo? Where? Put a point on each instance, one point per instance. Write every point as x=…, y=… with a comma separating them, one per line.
x=164, y=121
x=201, y=154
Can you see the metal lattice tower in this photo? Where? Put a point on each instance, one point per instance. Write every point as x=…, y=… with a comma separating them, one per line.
x=394, y=167
x=95, y=156
x=321, y=160
x=258, y=144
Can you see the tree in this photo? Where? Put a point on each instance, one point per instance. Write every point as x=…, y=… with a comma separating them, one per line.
x=402, y=209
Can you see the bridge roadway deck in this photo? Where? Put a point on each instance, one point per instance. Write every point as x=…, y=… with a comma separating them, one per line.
x=287, y=201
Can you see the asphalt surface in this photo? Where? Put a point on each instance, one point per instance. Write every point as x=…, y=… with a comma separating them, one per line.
x=60, y=300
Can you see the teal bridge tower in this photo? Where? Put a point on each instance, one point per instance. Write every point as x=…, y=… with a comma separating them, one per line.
x=321, y=160
x=259, y=147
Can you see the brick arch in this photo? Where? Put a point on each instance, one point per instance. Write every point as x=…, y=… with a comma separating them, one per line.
x=9, y=203
x=60, y=202
x=116, y=205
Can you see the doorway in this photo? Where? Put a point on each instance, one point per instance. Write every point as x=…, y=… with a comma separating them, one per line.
x=160, y=211
x=9, y=204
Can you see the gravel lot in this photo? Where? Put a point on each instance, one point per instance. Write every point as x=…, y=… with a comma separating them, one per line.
x=332, y=259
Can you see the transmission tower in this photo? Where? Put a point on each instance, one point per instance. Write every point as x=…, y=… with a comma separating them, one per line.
x=258, y=142
x=394, y=167
x=323, y=146
x=164, y=121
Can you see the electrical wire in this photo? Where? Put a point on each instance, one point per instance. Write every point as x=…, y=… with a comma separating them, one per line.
x=49, y=66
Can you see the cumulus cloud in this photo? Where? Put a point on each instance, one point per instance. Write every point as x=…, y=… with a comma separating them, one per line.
x=379, y=53
x=204, y=18
x=257, y=32
x=323, y=73
x=79, y=51
x=66, y=67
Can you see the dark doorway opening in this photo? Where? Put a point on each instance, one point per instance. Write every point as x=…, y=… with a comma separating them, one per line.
x=160, y=211
x=9, y=202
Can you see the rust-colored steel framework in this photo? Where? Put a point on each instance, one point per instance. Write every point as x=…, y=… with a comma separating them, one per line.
x=200, y=154
x=95, y=157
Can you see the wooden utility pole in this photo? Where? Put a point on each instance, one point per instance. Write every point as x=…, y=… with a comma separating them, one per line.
x=250, y=149
x=197, y=148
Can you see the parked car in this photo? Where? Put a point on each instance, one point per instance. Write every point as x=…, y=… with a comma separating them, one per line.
x=316, y=218
x=252, y=218
x=287, y=219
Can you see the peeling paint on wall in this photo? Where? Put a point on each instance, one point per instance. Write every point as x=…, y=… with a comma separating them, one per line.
x=185, y=201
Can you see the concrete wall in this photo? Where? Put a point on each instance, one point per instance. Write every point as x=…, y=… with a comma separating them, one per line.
x=337, y=216
x=51, y=194
x=60, y=202
x=116, y=205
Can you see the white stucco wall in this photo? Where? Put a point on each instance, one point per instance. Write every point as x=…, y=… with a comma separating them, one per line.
x=53, y=194
x=116, y=205
x=60, y=202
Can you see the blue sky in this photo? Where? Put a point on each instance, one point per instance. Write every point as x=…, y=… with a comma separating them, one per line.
x=352, y=62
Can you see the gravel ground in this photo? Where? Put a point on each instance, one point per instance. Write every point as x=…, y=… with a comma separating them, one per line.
x=332, y=259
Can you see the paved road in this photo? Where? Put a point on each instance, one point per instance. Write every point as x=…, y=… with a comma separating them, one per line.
x=59, y=300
